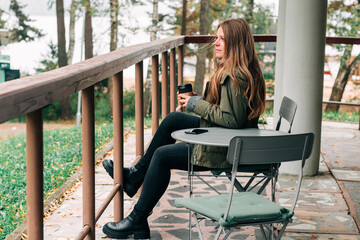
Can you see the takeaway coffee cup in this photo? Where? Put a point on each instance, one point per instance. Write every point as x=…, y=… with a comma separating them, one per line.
x=185, y=89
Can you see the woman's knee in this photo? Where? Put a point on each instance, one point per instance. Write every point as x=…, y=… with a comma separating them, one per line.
x=172, y=120
x=173, y=116
x=160, y=156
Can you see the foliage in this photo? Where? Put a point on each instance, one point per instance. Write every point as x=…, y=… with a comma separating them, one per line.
x=350, y=117
x=267, y=113
x=50, y=60
x=261, y=22
x=129, y=104
x=343, y=18
x=2, y=22
x=24, y=31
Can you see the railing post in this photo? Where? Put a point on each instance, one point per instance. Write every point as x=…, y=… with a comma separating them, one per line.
x=139, y=106
x=118, y=144
x=155, y=93
x=172, y=81
x=164, y=85
x=88, y=148
x=180, y=64
x=34, y=172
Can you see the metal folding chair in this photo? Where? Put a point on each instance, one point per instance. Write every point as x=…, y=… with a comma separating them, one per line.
x=287, y=111
x=257, y=177
x=235, y=209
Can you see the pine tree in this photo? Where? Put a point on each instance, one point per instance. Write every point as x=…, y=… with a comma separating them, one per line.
x=23, y=31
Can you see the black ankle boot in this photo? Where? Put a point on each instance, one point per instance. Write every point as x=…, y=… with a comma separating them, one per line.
x=133, y=224
x=133, y=177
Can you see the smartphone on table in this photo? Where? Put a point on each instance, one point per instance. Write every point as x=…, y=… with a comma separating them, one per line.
x=196, y=131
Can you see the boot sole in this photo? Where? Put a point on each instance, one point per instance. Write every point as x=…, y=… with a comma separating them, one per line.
x=124, y=235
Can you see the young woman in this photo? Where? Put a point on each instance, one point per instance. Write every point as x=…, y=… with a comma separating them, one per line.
x=234, y=98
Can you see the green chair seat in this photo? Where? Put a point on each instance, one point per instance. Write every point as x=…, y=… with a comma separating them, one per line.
x=246, y=207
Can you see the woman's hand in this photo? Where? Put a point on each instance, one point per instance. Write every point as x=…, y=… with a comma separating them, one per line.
x=184, y=98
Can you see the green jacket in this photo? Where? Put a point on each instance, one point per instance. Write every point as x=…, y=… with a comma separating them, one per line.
x=230, y=113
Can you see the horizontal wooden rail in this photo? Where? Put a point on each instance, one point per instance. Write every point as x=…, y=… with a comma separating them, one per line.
x=211, y=38
x=34, y=92
x=342, y=103
x=271, y=38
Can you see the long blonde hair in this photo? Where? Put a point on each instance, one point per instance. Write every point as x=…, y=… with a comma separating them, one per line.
x=239, y=58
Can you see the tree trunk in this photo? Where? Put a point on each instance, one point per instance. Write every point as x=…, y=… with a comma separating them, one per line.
x=228, y=7
x=70, y=52
x=249, y=12
x=183, y=21
x=62, y=58
x=114, y=5
x=154, y=29
x=201, y=55
x=338, y=92
x=66, y=112
x=341, y=79
x=88, y=32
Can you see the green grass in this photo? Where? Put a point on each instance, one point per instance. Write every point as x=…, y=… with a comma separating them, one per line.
x=349, y=117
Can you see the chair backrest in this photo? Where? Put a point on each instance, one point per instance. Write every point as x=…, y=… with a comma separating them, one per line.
x=270, y=149
x=287, y=111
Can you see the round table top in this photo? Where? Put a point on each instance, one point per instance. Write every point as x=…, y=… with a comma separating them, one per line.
x=217, y=136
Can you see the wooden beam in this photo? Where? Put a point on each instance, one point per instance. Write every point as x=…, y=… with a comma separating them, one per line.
x=28, y=94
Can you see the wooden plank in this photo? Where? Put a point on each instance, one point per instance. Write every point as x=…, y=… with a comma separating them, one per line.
x=342, y=40
x=272, y=38
x=342, y=103
x=28, y=94
x=211, y=38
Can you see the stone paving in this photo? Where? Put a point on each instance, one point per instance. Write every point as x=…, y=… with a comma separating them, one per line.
x=328, y=206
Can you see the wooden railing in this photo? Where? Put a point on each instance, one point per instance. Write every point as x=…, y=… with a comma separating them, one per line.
x=31, y=94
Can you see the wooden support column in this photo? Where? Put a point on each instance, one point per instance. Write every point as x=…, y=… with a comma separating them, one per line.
x=164, y=85
x=34, y=175
x=155, y=93
x=118, y=121
x=88, y=148
x=139, y=106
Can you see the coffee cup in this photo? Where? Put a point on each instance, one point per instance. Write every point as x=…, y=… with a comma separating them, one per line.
x=185, y=89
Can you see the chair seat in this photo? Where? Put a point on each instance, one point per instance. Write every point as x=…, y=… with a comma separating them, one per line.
x=246, y=207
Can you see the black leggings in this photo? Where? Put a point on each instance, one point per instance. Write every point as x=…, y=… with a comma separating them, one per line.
x=161, y=156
